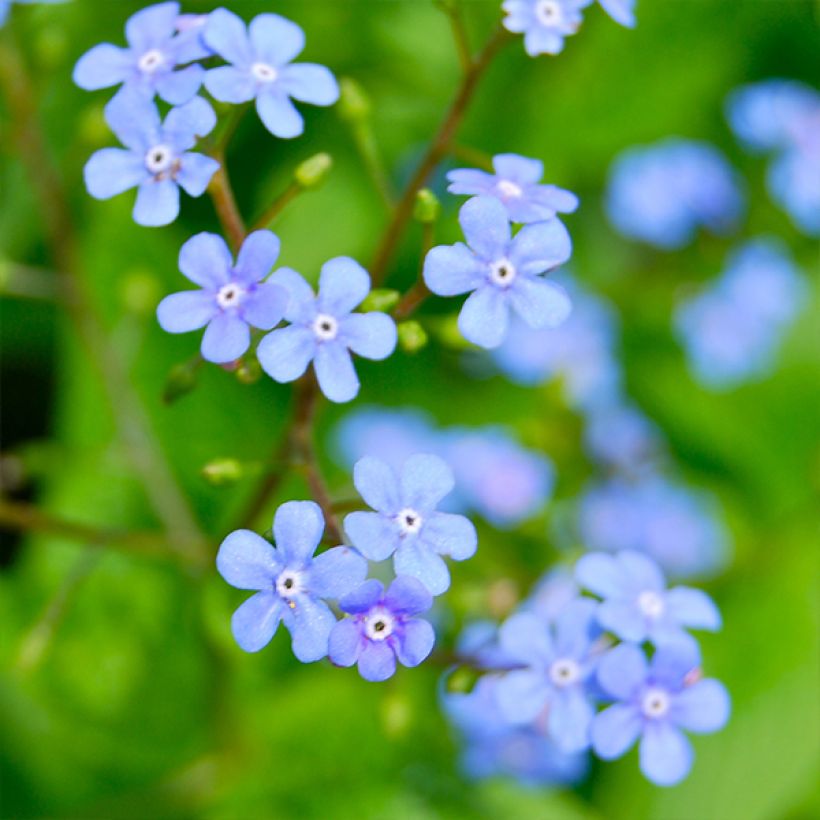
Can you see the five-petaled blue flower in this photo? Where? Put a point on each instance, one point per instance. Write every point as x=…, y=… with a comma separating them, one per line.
x=157, y=157
x=637, y=606
x=544, y=23
x=233, y=297
x=558, y=661
x=383, y=629
x=260, y=57
x=292, y=584
x=323, y=329
x=656, y=701
x=502, y=271
x=406, y=524
x=515, y=184
x=149, y=64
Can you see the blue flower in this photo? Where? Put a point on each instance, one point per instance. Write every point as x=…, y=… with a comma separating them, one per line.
x=323, y=329
x=292, y=582
x=558, y=662
x=621, y=11
x=232, y=298
x=544, y=23
x=636, y=604
x=150, y=63
x=407, y=524
x=191, y=28
x=515, y=184
x=619, y=435
x=156, y=160
x=382, y=629
x=661, y=194
x=655, y=702
x=733, y=329
x=493, y=747
x=260, y=57
x=503, y=272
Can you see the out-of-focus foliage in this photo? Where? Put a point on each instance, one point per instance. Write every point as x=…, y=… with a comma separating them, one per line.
x=122, y=693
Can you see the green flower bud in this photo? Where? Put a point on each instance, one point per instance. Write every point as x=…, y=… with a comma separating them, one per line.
x=249, y=371
x=412, y=336
x=181, y=380
x=427, y=207
x=222, y=471
x=382, y=299
x=354, y=104
x=312, y=172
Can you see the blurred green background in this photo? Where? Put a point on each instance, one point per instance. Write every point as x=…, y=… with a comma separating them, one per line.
x=122, y=693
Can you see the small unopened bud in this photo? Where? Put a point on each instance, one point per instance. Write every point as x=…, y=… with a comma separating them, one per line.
x=427, y=207
x=382, y=299
x=249, y=371
x=313, y=171
x=354, y=104
x=181, y=380
x=222, y=471
x=412, y=336
x=462, y=680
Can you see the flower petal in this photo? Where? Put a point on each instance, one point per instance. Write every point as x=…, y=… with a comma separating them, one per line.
x=569, y=719
x=229, y=84
x=335, y=372
x=622, y=670
x=665, y=754
x=195, y=173
x=642, y=571
x=614, y=730
x=377, y=484
x=374, y=535
x=186, y=311
x=278, y=114
x=275, y=39
x=148, y=27
x=377, y=661
x=134, y=119
x=539, y=303
x=703, y=707
x=470, y=181
x=309, y=83
x=285, y=353
x=255, y=622
x=302, y=303
x=526, y=638
x=522, y=695
x=450, y=534
x=416, y=643
x=336, y=572
x=343, y=285
x=450, y=270
x=540, y=247
x=363, y=598
x=419, y=561
x=110, y=171
x=264, y=306
x=184, y=124
x=486, y=227
x=247, y=561
x=372, y=335
x=485, y=316
x=424, y=480
x=624, y=619
x=600, y=573
x=310, y=623
x=225, y=339
x=225, y=33
x=692, y=608
x=518, y=169
x=103, y=66
x=178, y=87
x=206, y=260
x=297, y=530
x=157, y=203
x=407, y=596
x=257, y=256
x=345, y=643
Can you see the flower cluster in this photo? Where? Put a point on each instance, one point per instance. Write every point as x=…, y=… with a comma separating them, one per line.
x=562, y=654
x=782, y=117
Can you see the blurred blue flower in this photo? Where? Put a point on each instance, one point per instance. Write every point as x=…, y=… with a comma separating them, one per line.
x=662, y=193
x=503, y=272
x=478, y=646
x=497, y=477
x=733, y=329
x=292, y=583
x=260, y=68
x=407, y=524
x=493, y=747
x=637, y=606
x=233, y=298
x=544, y=23
x=150, y=63
x=157, y=158
x=516, y=184
x=324, y=329
x=679, y=527
x=383, y=629
x=551, y=595
x=654, y=703
x=619, y=435
x=558, y=661
x=621, y=11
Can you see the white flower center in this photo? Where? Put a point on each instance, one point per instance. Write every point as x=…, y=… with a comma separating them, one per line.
x=651, y=604
x=409, y=521
x=229, y=295
x=264, y=73
x=150, y=61
x=549, y=12
x=655, y=703
x=565, y=672
x=159, y=159
x=379, y=624
x=509, y=190
x=502, y=273
x=289, y=583
x=325, y=327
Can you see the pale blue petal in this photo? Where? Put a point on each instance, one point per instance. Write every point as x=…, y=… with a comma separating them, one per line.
x=134, y=120
x=309, y=83
x=424, y=480
x=345, y=643
x=310, y=623
x=178, y=87
x=703, y=707
x=186, y=311
x=415, y=559
x=601, y=574
x=103, y=66
x=615, y=730
x=521, y=695
x=362, y=599
x=343, y=285
x=642, y=571
x=672, y=663
x=257, y=256
x=195, y=173
x=450, y=270
x=206, y=260
x=110, y=171
x=416, y=643
x=486, y=227
x=569, y=719
x=553, y=198
x=264, y=306
x=470, y=181
x=225, y=339
x=621, y=11
x=624, y=619
x=665, y=754
x=230, y=85
x=184, y=123
x=275, y=40
x=485, y=316
x=373, y=534
x=377, y=661
x=247, y=561
x=285, y=353
x=540, y=247
x=377, y=484
x=254, y=623
x=407, y=596
x=336, y=572
x=450, y=534
x=335, y=372
x=297, y=530
x=622, y=670
x=372, y=335
x=157, y=203
x=573, y=625
x=278, y=114
x=225, y=33
x=692, y=608
x=525, y=637
x=302, y=303
x=518, y=169
x=539, y=303
x=539, y=40
x=150, y=26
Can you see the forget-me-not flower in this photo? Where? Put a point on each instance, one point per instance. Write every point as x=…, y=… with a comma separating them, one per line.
x=516, y=183
x=150, y=64
x=544, y=23
x=156, y=160
x=324, y=329
x=655, y=702
x=232, y=298
x=503, y=272
x=382, y=628
x=292, y=583
x=406, y=523
x=558, y=661
x=636, y=604
x=617, y=434
x=260, y=68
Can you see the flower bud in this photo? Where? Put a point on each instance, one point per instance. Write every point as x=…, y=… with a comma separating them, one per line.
x=382, y=299
x=312, y=172
x=427, y=207
x=412, y=336
x=181, y=380
x=249, y=371
x=222, y=471
x=354, y=104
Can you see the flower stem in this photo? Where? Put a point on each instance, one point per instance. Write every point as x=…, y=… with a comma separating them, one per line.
x=419, y=292
x=455, y=14
x=225, y=204
x=278, y=205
